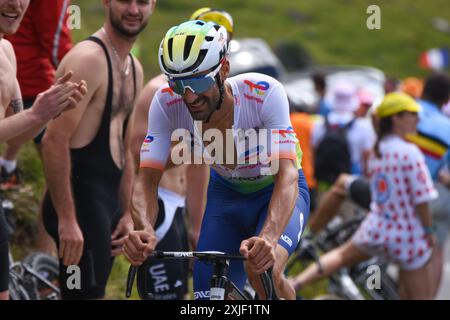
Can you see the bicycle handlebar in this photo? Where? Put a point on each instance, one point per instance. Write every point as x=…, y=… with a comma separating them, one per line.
x=199, y=255
x=210, y=256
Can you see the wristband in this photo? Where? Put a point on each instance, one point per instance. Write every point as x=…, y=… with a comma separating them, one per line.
x=430, y=230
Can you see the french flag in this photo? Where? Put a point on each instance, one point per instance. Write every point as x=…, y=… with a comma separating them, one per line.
x=435, y=59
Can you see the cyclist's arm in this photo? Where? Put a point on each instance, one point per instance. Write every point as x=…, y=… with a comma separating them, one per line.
x=197, y=177
x=282, y=202
x=55, y=144
x=153, y=158
x=144, y=201
x=283, y=144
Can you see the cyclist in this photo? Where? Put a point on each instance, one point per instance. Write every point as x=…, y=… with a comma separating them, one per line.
x=248, y=211
x=15, y=125
x=170, y=226
x=83, y=151
x=399, y=225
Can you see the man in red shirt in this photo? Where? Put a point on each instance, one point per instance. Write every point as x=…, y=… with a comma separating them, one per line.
x=40, y=44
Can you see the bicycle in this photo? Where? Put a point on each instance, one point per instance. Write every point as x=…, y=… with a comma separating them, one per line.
x=222, y=288
x=34, y=277
x=337, y=234
x=346, y=283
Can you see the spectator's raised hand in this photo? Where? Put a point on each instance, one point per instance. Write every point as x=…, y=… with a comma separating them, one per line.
x=62, y=96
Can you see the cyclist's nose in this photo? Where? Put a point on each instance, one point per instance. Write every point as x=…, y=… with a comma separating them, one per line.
x=189, y=96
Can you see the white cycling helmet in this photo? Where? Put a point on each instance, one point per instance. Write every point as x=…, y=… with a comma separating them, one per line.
x=192, y=47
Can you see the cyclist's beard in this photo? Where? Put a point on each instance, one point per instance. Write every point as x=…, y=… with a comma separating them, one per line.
x=119, y=26
x=208, y=107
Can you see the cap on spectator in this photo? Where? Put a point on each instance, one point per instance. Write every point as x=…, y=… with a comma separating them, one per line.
x=396, y=102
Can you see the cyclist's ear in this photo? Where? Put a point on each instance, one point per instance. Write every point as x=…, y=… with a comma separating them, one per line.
x=225, y=70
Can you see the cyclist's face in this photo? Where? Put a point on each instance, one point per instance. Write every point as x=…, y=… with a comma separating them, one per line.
x=130, y=17
x=201, y=105
x=11, y=14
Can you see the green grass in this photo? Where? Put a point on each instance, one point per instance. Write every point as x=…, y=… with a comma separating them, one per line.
x=332, y=31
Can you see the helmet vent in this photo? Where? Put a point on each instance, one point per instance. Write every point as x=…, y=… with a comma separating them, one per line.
x=201, y=23
x=201, y=57
x=188, y=46
x=209, y=38
x=170, y=45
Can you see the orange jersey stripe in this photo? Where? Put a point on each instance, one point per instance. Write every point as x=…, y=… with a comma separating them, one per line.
x=152, y=164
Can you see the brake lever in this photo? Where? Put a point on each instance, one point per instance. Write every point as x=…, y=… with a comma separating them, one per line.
x=267, y=281
x=130, y=280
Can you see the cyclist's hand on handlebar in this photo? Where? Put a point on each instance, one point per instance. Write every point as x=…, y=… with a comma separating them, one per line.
x=138, y=246
x=259, y=252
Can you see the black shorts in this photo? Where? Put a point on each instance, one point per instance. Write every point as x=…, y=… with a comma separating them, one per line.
x=4, y=252
x=167, y=279
x=96, y=262
x=27, y=104
x=359, y=192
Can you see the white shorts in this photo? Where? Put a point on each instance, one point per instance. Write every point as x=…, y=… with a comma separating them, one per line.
x=402, y=242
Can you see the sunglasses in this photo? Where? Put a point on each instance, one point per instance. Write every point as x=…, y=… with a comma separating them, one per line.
x=196, y=84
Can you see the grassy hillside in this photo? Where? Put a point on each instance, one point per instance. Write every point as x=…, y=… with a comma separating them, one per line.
x=332, y=31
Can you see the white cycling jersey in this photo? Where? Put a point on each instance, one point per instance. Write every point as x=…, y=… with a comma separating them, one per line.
x=260, y=102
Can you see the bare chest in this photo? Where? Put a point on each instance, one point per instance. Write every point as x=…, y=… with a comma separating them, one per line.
x=8, y=82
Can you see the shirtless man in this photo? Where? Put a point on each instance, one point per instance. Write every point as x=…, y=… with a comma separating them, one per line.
x=20, y=126
x=83, y=151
